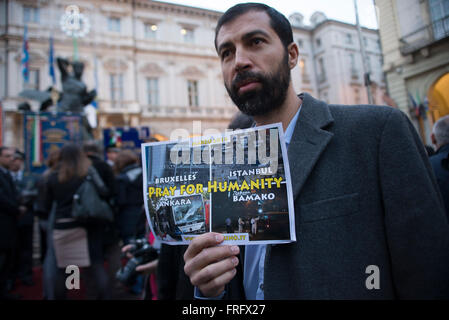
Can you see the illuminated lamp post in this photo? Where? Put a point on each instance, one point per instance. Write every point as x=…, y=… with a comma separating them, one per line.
x=75, y=25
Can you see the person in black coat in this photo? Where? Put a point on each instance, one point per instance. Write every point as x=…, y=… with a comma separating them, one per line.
x=129, y=196
x=10, y=210
x=440, y=160
x=26, y=185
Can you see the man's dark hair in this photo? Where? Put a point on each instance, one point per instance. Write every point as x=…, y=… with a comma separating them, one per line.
x=2, y=148
x=19, y=155
x=91, y=147
x=278, y=21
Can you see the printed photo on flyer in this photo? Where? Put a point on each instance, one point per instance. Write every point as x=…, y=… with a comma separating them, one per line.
x=237, y=183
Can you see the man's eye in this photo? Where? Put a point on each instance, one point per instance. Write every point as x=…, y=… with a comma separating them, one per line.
x=257, y=41
x=225, y=53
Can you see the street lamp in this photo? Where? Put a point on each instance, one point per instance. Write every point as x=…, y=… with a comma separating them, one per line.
x=366, y=75
x=76, y=25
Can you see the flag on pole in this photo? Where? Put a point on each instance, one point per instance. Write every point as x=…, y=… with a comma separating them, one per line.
x=51, y=65
x=36, y=142
x=25, y=57
x=414, y=104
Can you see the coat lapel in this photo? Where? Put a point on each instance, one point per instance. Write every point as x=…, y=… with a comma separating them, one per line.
x=309, y=140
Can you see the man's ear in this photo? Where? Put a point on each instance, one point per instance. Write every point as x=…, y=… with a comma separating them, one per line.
x=293, y=54
x=434, y=140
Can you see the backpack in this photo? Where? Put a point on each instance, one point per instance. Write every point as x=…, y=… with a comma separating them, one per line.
x=89, y=201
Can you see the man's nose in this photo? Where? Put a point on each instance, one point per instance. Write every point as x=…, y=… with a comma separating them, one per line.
x=242, y=61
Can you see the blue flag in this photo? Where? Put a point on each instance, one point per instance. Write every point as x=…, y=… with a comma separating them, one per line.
x=25, y=57
x=51, y=66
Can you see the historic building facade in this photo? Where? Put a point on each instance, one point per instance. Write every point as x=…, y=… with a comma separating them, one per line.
x=415, y=42
x=154, y=63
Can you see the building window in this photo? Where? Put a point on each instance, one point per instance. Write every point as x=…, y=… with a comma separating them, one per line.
x=153, y=91
x=304, y=75
x=353, y=66
x=151, y=30
x=192, y=88
x=302, y=65
x=116, y=86
x=300, y=43
x=348, y=38
x=368, y=63
x=33, y=80
x=322, y=70
x=188, y=35
x=114, y=24
x=439, y=12
x=31, y=14
x=318, y=43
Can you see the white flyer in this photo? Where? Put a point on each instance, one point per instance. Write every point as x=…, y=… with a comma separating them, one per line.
x=237, y=183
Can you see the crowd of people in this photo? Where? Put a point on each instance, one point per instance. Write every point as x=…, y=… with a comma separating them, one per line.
x=27, y=199
x=365, y=194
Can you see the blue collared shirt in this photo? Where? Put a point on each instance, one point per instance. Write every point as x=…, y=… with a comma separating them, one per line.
x=253, y=273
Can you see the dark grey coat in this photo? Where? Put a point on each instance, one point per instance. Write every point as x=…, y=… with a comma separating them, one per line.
x=365, y=194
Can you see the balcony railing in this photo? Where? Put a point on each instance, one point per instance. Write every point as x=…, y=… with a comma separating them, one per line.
x=354, y=74
x=425, y=36
x=189, y=112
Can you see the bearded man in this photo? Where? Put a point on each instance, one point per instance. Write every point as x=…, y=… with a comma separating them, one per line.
x=369, y=217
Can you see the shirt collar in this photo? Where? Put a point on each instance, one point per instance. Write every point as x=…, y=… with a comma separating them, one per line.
x=288, y=133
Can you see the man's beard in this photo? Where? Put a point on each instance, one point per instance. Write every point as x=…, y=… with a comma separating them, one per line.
x=269, y=97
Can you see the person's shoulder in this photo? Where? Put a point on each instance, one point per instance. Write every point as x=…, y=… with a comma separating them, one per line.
x=374, y=116
x=436, y=158
x=102, y=166
x=371, y=111
x=53, y=178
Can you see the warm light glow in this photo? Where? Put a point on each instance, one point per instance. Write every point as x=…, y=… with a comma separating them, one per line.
x=301, y=63
x=439, y=97
x=154, y=27
x=183, y=32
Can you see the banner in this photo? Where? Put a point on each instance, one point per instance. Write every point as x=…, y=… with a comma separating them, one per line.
x=237, y=183
x=125, y=138
x=45, y=132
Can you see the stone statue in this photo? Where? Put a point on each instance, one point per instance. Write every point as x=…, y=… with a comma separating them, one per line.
x=74, y=91
x=74, y=96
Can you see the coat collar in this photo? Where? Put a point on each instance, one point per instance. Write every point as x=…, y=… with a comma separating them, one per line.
x=309, y=140
x=443, y=149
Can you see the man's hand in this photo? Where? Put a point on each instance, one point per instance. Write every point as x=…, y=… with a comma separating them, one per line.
x=210, y=266
x=148, y=268
x=125, y=250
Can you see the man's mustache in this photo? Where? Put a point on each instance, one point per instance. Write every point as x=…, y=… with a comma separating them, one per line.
x=246, y=77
